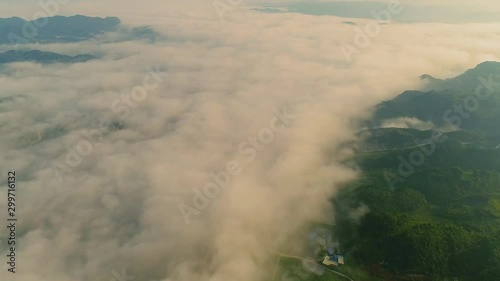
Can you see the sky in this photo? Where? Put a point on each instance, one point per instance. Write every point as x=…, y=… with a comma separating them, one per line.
x=226, y=139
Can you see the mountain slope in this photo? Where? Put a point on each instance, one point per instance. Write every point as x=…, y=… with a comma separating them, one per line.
x=55, y=29
x=41, y=57
x=470, y=101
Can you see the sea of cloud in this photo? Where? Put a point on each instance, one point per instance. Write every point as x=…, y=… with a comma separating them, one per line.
x=116, y=157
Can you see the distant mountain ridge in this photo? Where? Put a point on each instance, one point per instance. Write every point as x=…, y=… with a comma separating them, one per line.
x=369, y=9
x=453, y=102
x=469, y=80
x=55, y=29
x=41, y=57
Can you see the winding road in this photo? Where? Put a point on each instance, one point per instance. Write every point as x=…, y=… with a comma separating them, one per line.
x=304, y=259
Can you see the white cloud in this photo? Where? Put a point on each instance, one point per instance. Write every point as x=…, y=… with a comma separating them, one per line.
x=119, y=208
x=407, y=122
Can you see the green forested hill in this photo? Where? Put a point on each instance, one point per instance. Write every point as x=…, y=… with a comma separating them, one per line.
x=442, y=221
x=433, y=208
x=469, y=101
